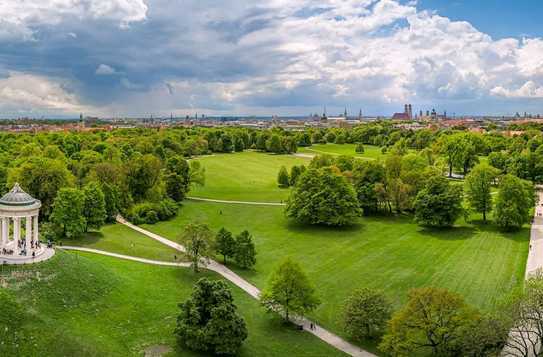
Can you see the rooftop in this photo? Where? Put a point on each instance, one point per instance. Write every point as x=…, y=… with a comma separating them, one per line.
x=17, y=197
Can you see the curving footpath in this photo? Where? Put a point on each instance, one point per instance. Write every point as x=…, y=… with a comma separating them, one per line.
x=237, y=202
x=252, y=290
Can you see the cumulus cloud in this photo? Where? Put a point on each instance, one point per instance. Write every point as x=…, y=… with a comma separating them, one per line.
x=528, y=90
x=30, y=93
x=20, y=18
x=105, y=70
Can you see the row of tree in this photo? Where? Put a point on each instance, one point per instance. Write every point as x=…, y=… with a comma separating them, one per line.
x=336, y=191
x=202, y=244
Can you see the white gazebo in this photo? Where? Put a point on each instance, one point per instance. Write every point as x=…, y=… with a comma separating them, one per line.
x=18, y=246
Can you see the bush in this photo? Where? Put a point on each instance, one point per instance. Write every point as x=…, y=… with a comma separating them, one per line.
x=151, y=213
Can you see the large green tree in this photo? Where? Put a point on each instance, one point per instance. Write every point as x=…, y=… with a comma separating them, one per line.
x=513, y=203
x=42, y=178
x=177, y=178
x=289, y=291
x=198, y=241
x=478, y=188
x=68, y=216
x=439, y=203
x=323, y=196
x=433, y=321
x=209, y=322
x=94, y=207
x=366, y=313
x=143, y=174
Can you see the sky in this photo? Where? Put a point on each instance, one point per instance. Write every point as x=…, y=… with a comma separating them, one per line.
x=115, y=58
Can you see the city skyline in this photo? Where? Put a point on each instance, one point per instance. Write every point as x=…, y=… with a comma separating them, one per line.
x=136, y=58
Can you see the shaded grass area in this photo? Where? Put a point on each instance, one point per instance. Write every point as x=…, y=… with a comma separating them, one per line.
x=117, y=238
x=91, y=305
x=389, y=253
x=370, y=151
x=246, y=176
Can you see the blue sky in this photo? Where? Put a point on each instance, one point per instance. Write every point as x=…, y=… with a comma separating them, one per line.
x=285, y=57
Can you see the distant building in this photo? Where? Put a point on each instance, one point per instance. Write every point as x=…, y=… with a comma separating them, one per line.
x=406, y=115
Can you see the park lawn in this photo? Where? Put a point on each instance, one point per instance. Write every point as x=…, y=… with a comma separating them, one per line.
x=389, y=253
x=246, y=176
x=370, y=151
x=89, y=305
x=117, y=238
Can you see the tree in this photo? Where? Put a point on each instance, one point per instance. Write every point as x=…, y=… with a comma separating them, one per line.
x=245, y=253
x=295, y=172
x=366, y=175
x=433, y=319
x=143, y=174
x=289, y=290
x=478, y=187
x=323, y=196
x=225, y=243
x=68, y=216
x=177, y=178
x=282, y=178
x=513, y=203
x=42, y=178
x=94, y=208
x=274, y=144
x=198, y=241
x=439, y=204
x=359, y=148
x=366, y=314
x=209, y=321
x=524, y=318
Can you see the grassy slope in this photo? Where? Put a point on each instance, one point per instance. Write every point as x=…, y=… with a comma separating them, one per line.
x=90, y=305
x=392, y=254
x=248, y=176
x=370, y=151
x=120, y=239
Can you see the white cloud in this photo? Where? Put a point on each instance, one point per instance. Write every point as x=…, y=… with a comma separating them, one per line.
x=30, y=93
x=19, y=17
x=528, y=90
x=105, y=70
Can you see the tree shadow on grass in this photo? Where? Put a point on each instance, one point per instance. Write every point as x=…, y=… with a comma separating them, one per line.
x=297, y=227
x=449, y=234
x=87, y=238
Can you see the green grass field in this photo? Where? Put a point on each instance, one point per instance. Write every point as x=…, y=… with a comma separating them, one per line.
x=370, y=151
x=390, y=253
x=90, y=305
x=247, y=176
x=120, y=239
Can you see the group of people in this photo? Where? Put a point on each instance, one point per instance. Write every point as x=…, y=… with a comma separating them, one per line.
x=22, y=247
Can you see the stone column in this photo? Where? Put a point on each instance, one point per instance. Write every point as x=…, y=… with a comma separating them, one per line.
x=35, y=230
x=16, y=233
x=4, y=223
x=28, y=235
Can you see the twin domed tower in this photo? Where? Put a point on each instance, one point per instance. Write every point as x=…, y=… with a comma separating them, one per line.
x=19, y=229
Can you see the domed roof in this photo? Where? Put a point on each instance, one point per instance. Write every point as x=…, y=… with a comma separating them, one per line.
x=17, y=197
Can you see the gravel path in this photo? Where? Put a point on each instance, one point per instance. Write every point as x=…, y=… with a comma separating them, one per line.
x=252, y=290
x=237, y=202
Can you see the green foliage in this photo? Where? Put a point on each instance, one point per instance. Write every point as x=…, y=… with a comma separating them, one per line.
x=295, y=172
x=245, y=252
x=68, y=213
x=439, y=204
x=177, y=178
x=209, y=322
x=359, y=148
x=289, y=291
x=151, y=213
x=433, y=320
x=322, y=196
x=282, y=178
x=94, y=208
x=142, y=175
x=513, y=203
x=225, y=243
x=198, y=241
x=478, y=188
x=42, y=178
x=366, y=314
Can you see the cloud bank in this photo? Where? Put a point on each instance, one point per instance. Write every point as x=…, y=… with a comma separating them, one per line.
x=136, y=57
